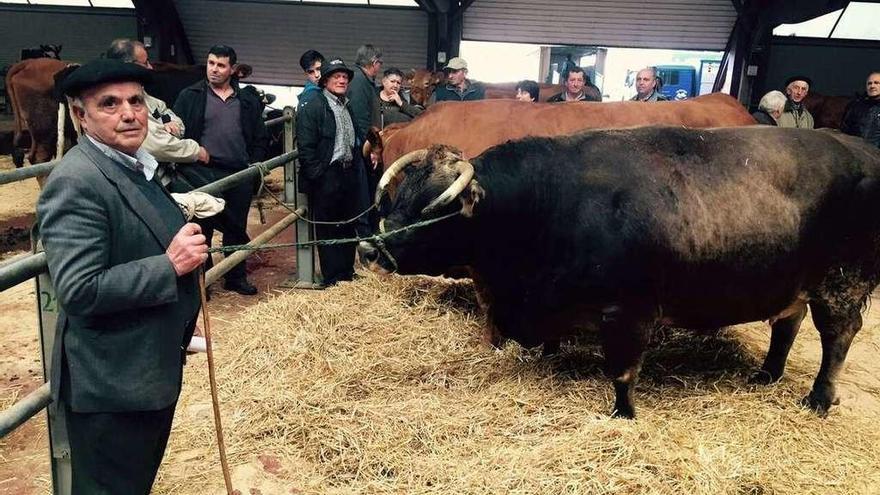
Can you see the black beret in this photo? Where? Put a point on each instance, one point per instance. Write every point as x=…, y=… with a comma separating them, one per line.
x=100, y=71
x=799, y=78
x=334, y=65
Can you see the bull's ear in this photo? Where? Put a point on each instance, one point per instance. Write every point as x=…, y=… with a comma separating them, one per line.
x=374, y=137
x=472, y=195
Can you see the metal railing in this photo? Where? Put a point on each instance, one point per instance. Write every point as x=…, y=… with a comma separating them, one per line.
x=24, y=267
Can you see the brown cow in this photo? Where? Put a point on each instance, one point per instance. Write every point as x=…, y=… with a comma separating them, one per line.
x=423, y=82
x=474, y=126
x=827, y=111
x=29, y=84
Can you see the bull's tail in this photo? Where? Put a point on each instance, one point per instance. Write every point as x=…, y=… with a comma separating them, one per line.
x=18, y=125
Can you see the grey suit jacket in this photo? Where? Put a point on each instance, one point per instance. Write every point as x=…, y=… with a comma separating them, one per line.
x=124, y=314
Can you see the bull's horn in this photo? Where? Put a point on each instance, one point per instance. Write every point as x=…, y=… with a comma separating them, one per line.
x=395, y=168
x=466, y=173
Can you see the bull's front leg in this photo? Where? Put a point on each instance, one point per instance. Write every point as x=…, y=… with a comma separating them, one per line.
x=624, y=337
x=782, y=337
x=837, y=327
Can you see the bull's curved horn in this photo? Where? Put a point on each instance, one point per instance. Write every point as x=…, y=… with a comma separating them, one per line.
x=465, y=174
x=395, y=168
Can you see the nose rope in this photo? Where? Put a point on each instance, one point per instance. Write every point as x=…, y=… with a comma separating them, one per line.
x=380, y=245
x=375, y=238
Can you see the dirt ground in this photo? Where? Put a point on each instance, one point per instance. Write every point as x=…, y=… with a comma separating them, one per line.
x=24, y=463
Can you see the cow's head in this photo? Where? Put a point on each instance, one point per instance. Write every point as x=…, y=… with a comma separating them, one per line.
x=423, y=83
x=437, y=183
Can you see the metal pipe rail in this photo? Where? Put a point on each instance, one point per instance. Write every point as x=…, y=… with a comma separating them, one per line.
x=24, y=409
x=42, y=169
x=23, y=173
x=33, y=403
x=21, y=269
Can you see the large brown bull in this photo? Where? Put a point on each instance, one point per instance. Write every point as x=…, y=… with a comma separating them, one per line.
x=423, y=82
x=474, y=126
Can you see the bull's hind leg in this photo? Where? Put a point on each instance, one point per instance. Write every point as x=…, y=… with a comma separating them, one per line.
x=623, y=340
x=782, y=337
x=838, y=324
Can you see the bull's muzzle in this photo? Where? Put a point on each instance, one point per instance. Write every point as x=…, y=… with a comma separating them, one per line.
x=367, y=252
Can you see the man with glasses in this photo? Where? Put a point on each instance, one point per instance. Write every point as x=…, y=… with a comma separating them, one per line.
x=311, y=62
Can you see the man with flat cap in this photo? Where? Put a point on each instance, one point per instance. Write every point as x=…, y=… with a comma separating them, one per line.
x=123, y=260
x=331, y=169
x=795, y=114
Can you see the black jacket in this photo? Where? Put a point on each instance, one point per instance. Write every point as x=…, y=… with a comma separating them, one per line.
x=315, y=136
x=862, y=118
x=763, y=117
x=190, y=107
x=363, y=103
x=474, y=91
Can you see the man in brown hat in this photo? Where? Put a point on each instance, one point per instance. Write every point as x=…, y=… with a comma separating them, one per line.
x=122, y=260
x=331, y=169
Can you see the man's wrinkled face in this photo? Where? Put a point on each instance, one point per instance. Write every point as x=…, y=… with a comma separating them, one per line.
x=337, y=83
x=115, y=114
x=142, y=58
x=456, y=77
x=797, y=91
x=872, y=85
x=645, y=82
x=218, y=70
x=575, y=82
x=313, y=73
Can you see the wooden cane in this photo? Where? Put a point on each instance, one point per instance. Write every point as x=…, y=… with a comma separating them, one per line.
x=221, y=445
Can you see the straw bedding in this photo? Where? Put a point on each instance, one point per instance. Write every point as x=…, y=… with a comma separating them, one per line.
x=382, y=386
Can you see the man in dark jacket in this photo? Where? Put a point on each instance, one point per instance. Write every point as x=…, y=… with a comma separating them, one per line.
x=122, y=260
x=578, y=87
x=458, y=87
x=363, y=100
x=331, y=168
x=862, y=116
x=229, y=124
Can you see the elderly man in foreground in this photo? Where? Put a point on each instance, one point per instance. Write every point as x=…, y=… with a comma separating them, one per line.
x=123, y=263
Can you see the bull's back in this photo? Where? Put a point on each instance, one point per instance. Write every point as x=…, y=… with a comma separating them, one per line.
x=475, y=126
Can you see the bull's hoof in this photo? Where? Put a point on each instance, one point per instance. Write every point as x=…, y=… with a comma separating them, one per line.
x=18, y=157
x=623, y=411
x=551, y=348
x=819, y=405
x=763, y=377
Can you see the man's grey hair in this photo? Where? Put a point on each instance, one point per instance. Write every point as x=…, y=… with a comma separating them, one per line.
x=652, y=69
x=123, y=49
x=773, y=101
x=366, y=55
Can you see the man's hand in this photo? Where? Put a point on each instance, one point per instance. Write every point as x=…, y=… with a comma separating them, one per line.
x=173, y=128
x=188, y=249
x=204, y=157
x=374, y=159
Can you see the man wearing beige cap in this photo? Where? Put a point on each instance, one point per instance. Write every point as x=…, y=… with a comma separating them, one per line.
x=458, y=87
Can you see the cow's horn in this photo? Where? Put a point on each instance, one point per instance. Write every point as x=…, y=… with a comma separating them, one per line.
x=466, y=173
x=395, y=168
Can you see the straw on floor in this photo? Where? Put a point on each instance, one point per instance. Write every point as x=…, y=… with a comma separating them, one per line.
x=382, y=386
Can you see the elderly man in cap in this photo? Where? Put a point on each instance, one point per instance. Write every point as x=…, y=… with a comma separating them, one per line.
x=123, y=260
x=331, y=170
x=458, y=87
x=795, y=114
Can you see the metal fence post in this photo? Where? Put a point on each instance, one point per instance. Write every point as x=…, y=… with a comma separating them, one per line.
x=305, y=255
x=59, y=448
